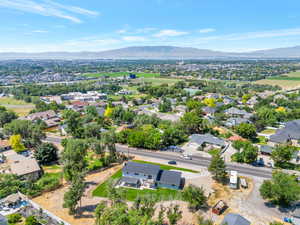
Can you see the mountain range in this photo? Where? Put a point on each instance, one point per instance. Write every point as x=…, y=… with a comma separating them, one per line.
x=159, y=52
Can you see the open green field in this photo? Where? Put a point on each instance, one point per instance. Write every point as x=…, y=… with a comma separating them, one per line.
x=159, y=80
x=18, y=106
x=119, y=74
x=131, y=194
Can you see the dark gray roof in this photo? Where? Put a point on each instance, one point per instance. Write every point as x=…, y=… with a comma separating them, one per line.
x=209, y=109
x=235, y=219
x=206, y=138
x=281, y=136
x=236, y=111
x=233, y=121
x=266, y=149
x=100, y=111
x=290, y=131
x=129, y=180
x=3, y=219
x=296, y=213
x=147, y=169
x=170, y=177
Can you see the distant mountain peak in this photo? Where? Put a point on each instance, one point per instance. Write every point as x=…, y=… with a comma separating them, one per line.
x=157, y=52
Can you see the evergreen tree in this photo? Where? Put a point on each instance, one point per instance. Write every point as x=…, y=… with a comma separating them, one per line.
x=218, y=168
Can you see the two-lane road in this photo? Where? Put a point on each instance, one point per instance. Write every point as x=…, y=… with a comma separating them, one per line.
x=197, y=160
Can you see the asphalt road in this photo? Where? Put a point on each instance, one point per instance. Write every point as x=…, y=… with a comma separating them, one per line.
x=197, y=160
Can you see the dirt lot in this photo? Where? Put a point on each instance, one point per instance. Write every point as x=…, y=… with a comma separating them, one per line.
x=53, y=201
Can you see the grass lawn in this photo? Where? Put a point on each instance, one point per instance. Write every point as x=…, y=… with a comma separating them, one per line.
x=119, y=74
x=268, y=131
x=11, y=101
x=167, y=167
x=262, y=140
x=131, y=194
x=159, y=80
x=213, y=152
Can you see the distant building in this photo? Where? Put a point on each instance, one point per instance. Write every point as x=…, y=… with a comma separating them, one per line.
x=204, y=141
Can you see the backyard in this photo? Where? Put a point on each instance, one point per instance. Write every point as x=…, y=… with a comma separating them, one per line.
x=131, y=194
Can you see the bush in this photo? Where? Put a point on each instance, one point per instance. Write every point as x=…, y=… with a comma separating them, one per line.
x=14, y=218
x=49, y=182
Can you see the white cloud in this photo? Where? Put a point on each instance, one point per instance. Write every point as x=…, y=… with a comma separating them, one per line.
x=134, y=38
x=207, y=30
x=48, y=8
x=170, y=33
x=122, y=31
x=253, y=35
x=40, y=31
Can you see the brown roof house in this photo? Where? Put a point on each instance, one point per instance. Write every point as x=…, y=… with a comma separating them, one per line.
x=26, y=168
x=49, y=117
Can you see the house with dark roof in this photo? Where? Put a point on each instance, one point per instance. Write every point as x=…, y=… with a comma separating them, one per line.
x=204, y=141
x=3, y=220
x=143, y=175
x=235, y=219
x=290, y=133
x=235, y=121
x=209, y=110
x=235, y=112
x=266, y=150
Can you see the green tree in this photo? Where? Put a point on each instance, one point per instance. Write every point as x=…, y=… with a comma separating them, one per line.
x=74, y=194
x=73, y=158
x=31, y=220
x=282, y=189
x=6, y=116
x=283, y=154
x=246, y=130
x=165, y=105
x=46, y=153
x=14, y=218
x=174, y=214
x=193, y=123
x=74, y=123
x=202, y=221
x=195, y=196
x=218, y=168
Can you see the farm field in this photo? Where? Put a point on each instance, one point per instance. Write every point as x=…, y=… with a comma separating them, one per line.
x=159, y=81
x=285, y=81
x=18, y=106
x=118, y=74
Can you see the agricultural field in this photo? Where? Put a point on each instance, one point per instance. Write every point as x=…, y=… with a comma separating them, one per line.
x=285, y=81
x=119, y=74
x=18, y=106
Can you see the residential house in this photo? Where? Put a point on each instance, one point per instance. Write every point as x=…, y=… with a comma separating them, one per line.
x=235, y=121
x=227, y=100
x=49, y=99
x=204, y=142
x=296, y=216
x=26, y=168
x=235, y=112
x=252, y=101
x=235, y=219
x=4, y=145
x=3, y=220
x=290, y=133
x=144, y=175
x=78, y=105
x=49, y=117
x=210, y=111
x=265, y=150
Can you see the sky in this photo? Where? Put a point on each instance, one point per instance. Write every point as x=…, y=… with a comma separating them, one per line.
x=97, y=25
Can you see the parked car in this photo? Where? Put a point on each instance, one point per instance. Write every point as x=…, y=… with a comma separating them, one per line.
x=172, y=162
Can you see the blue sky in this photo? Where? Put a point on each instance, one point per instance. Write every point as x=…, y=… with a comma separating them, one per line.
x=94, y=25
